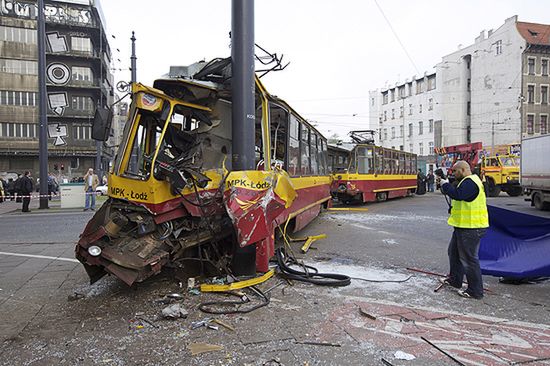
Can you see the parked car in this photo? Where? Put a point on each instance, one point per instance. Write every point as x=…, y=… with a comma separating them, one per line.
x=102, y=190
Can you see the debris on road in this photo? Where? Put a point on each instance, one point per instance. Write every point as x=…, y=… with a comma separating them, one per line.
x=223, y=324
x=400, y=355
x=198, y=348
x=365, y=313
x=174, y=311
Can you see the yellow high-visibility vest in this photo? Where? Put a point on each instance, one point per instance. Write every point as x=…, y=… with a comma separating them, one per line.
x=470, y=215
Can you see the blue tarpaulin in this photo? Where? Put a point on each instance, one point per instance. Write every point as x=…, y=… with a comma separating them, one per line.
x=516, y=245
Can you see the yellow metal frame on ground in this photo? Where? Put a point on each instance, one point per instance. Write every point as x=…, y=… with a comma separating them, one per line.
x=238, y=285
x=364, y=209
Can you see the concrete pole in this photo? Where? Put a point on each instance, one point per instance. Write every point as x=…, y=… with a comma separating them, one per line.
x=243, y=109
x=42, y=107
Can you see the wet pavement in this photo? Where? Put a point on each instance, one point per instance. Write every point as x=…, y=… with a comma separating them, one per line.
x=44, y=323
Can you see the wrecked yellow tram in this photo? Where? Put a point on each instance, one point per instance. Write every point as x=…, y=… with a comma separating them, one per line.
x=174, y=199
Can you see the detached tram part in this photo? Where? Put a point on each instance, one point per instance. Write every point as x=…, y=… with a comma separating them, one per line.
x=174, y=197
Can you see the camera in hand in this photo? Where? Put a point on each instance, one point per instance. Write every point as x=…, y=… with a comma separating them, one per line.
x=439, y=173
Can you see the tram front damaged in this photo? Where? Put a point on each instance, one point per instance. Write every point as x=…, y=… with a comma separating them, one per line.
x=172, y=200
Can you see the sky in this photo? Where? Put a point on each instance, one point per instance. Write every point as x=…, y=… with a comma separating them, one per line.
x=338, y=50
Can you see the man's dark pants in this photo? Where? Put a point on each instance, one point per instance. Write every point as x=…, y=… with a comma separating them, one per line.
x=26, y=201
x=464, y=260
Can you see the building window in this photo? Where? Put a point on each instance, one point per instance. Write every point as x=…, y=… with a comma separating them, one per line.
x=544, y=124
x=468, y=108
x=419, y=86
x=401, y=147
x=544, y=67
x=385, y=133
x=469, y=84
x=430, y=148
x=401, y=134
x=420, y=128
x=411, y=148
x=498, y=47
x=430, y=104
x=410, y=109
x=420, y=108
x=81, y=44
x=20, y=35
x=431, y=126
x=401, y=111
x=385, y=115
x=392, y=113
x=372, y=101
x=531, y=66
x=82, y=132
x=82, y=74
x=544, y=94
x=431, y=83
x=402, y=91
x=392, y=95
x=410, y=89
x=19, y=67
x=385, y=97
x=393, y=132
x=421, y=148
x=530, y=123
x=410, y=129
x=18, y=98
x=18, y=130
x=81, y=103
x=530, y=94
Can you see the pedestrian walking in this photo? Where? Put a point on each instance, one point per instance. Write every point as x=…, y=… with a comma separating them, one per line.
x=430, y=178
x=91, y=181
x=470, y=220
x=26, y=189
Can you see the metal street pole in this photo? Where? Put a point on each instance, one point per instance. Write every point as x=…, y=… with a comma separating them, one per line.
x=133, y=58
x=243, y=109
x=42, y=107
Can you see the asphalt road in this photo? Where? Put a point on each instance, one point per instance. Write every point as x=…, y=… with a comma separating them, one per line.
x=41, y=324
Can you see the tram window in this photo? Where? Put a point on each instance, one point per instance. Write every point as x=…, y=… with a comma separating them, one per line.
x=258, y=145
x=401, y=163
x=304, y=150
x=364, y=160
x=407, y=164
x=323, y=170
x=294, y=147
x=314, y=153
x=145, y=142
x=278, y=120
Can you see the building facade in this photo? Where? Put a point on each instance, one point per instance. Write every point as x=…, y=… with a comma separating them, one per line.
x=408, y=116
x=78, y=77
x=494, y=91
x=535, y=108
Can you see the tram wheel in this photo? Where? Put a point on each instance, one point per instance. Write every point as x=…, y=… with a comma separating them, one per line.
x=381, y=196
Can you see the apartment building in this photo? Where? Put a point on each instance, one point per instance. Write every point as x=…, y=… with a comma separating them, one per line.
x=78, y=79
x=407, y=116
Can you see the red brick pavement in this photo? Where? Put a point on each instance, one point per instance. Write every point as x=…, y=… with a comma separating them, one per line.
x=471, y=339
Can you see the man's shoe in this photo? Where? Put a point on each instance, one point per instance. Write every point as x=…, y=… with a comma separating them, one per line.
x=447, y=282
x=85, y=209
x=93, y=209
x=467, y=295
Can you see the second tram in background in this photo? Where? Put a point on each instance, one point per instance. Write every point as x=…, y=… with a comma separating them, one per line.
x=374, y=173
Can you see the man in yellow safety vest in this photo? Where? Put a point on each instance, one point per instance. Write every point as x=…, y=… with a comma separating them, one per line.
x=470, y=220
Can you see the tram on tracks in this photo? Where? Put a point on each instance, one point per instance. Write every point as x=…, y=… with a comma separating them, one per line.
x=174, y=198
x=375, y=173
